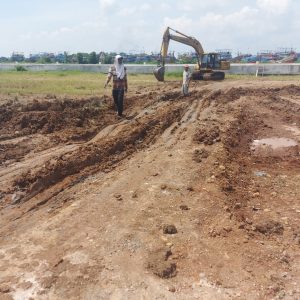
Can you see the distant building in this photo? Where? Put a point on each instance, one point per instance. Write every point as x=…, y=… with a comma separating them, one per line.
x=225, y=54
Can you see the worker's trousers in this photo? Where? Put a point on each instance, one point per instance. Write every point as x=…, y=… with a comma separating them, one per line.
x=118, y=96
x=185, y=89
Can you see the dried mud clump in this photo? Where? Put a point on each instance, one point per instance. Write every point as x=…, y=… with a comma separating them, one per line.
x=269, y=227
x=207, y=136
x=50, y=116
x=200, y=154
x=169, y=229
x=160, y=266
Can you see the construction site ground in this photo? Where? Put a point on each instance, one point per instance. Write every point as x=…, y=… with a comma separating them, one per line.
x=192, y=197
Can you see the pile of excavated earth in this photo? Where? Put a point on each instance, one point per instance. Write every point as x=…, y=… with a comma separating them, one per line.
x=192, y=197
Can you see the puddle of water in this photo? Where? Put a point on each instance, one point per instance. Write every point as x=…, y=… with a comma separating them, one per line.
x=275, y=147
x=275, y=142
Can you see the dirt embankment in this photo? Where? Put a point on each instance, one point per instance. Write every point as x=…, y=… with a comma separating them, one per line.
x=180, y=200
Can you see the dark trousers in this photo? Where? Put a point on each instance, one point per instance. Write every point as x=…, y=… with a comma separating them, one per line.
x=118, y=96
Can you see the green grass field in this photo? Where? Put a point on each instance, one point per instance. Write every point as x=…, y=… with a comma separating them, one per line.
x=85, y=84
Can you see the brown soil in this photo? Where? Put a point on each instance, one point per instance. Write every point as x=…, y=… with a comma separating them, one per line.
x=172, y=202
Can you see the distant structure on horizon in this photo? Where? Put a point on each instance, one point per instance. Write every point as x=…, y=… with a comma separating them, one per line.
x=281, y=55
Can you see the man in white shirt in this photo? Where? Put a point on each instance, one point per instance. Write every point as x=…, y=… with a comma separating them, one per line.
x=186, y=80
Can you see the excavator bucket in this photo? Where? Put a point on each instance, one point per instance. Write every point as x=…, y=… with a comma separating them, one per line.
x=159, y=73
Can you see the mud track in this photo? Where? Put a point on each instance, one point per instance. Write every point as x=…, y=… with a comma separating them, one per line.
x=175, y=201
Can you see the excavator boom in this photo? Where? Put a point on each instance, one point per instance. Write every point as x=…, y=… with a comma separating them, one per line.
x=180, y=38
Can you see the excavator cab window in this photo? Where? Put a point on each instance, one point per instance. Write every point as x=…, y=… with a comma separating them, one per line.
x=216, y=59
x=210, y=61
x=204, y=61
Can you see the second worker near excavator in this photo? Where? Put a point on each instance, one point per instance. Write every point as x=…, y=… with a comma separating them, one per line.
x=118, y=72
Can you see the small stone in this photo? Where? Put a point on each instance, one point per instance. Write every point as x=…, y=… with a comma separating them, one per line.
x=190, y=188
x=169, y=229
x=118, y=197
x=255, y=208
x=226, y=208
x=260, y=174
x=221, y=167
x=254, y=195
x=4, y=289
x=218, y=282
x=184, y=207
x=16, y=197
x=163, y=186
x=248, y=221
x=211, y=179
x=237, y=205
x=172, y=289
x=164, y=269
x=273, y=194
x=242, y=225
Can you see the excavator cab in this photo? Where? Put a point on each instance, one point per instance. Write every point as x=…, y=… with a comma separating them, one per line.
x=212, y=61
x=210, y=67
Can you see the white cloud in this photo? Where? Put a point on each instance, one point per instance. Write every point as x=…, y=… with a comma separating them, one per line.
x=202, y=6
x=164, y=6
x=274, y=6
x=145, y=7
x=246, y=17
x=127, y=11
x=181, y=23
x=106, y=3
x=139, y=24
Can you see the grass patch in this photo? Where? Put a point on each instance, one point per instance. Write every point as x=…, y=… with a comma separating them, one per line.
x=77, y=83
x=20, y=69
x=69, y=83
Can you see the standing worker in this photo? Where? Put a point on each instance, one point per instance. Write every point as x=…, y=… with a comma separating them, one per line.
x=118, y=73
x=186, y=80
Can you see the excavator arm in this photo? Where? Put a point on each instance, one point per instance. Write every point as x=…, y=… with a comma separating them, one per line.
x=180, y=38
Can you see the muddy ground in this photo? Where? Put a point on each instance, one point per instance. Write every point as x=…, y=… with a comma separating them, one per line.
x=192, y=197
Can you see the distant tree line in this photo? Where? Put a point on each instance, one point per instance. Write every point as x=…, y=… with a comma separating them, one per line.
x=96, y=58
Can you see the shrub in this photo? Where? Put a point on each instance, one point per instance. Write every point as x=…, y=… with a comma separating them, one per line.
x=20, y=69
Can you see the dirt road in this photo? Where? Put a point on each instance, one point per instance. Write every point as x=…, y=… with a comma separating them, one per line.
x=186, y=198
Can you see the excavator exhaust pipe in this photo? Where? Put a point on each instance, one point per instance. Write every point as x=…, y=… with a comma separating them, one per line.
x=159, y=73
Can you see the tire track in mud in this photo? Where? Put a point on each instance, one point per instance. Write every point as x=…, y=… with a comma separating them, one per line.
x=197, y=103
x=100, y=155
x=103, y=151
x=226, y=131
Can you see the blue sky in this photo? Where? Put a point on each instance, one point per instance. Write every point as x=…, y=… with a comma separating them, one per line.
x=134, y=25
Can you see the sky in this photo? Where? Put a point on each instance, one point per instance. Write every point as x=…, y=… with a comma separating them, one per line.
x=134, y=26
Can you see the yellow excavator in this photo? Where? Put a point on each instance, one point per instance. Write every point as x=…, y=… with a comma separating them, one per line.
x=209, y=67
